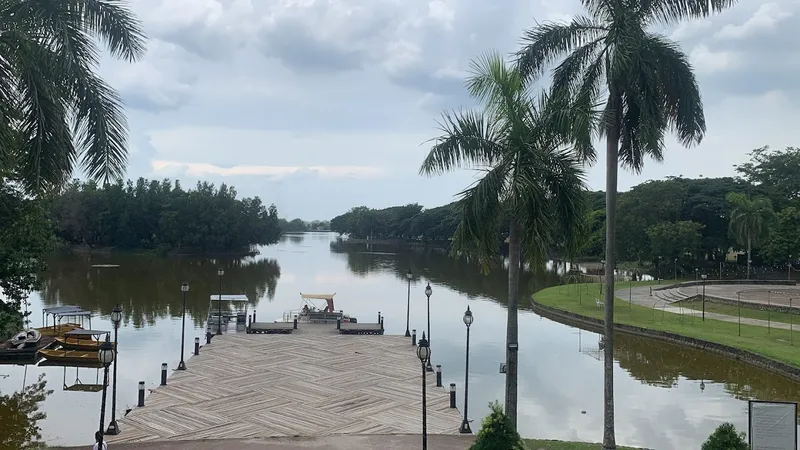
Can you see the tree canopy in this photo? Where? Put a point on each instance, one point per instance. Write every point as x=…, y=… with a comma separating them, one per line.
x=151, y=214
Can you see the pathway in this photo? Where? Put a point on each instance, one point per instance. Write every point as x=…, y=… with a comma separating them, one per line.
x=397, y=442
x=640, y=295
x=305, y=384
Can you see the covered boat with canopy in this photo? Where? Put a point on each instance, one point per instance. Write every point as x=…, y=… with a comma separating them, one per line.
x=317, y=308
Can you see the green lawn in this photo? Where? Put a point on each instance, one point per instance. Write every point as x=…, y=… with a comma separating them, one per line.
x=752, y=313
x=773, y=343
x=543, y=444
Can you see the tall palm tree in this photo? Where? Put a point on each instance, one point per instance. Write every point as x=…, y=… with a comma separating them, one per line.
x=529, y=179
x=749, y=221
x=642, y=84
x=55, y=112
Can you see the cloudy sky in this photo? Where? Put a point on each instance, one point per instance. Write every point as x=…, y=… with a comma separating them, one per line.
x=322, y=105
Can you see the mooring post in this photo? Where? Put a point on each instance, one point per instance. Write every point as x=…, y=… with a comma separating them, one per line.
x=295, y=324
x=163, y=374
x=438, y=375
x=141, y=394
x=338, y=324
x=379, y=317
x=208, y=337
x=452, y=395
x=196, y=346
x=381, y=323
x=254, y=315
x=414, y=337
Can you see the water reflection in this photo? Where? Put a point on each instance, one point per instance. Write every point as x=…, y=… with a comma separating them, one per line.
x=148, y=287
x=20, y=416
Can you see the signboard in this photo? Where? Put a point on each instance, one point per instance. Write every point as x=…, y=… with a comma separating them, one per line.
x=772, y=425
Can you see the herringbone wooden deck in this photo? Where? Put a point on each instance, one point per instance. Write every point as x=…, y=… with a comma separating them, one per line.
x=247, y=386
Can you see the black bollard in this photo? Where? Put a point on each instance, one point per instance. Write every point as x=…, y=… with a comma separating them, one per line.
x=164, y=374
x=208, y=338
x=452, y=395
x=438, y=375
x=414, y=337
x=141, y=394
x=379, y=317
x=338, y=324
x=381, y=323
x=254, y=315
x=249, y=320
x=295, y=324
x=196, y=346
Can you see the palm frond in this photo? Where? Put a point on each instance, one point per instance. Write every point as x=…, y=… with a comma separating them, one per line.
x=468, y=140
x=115, y=24
x=546, y=43
x=669, y=12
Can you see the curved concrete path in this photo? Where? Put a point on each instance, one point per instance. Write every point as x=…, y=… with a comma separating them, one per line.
x=383, y=442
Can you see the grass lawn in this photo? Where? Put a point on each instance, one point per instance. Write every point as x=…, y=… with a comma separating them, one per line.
x=751, y=313
x=773, y=343
x=543, y=444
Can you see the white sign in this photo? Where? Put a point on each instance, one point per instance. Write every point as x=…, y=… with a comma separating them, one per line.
x=773, y=425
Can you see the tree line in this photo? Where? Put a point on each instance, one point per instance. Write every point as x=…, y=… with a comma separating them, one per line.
x=298, y=225
x=153, y=215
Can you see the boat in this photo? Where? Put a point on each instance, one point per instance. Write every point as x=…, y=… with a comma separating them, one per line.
x=80, y=339
x=15, y=353
x=225, y=308
x=69, y=356
x=312, y=311
x=26, y=339
x=63, y=312
x=57, y=330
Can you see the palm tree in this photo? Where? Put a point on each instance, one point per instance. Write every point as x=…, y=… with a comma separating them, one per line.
x=55, y=112
x=750, y=220
x=642, y=85
x=529, y=179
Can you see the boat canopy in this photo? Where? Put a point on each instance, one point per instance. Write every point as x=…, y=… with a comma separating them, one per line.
x=61, y=309
x=233, y=298
x=82, y=332
x=327, y=297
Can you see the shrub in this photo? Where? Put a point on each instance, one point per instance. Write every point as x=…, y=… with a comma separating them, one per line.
x=725, y=437
x=497, y=433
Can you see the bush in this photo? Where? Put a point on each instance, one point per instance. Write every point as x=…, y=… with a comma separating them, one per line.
x=725, y=437
x=497, y=433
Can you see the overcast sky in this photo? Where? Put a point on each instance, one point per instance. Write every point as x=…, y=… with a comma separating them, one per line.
x=322, y=105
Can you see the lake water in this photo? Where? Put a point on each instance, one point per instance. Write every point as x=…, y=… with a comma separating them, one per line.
x=659, y=401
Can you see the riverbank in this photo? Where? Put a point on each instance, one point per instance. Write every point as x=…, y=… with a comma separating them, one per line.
x=772, y=349
x=166, y=251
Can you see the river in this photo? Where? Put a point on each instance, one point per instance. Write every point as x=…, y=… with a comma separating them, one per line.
x=659, y=400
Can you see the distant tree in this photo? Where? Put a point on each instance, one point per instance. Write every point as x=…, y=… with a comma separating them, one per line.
x=775, y=171
x=784, y=239
x=725, y=437
x=750, y=221
x=497, y=432
x=673, y=240
x=293, y=226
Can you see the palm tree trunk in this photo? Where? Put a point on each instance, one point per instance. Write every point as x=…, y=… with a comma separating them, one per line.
x=512, y=328
x=612, y=158
x=749, y=249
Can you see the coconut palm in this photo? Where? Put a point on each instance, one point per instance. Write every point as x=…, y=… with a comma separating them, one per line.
x=55, y=112
x=642, y=84
x=529, y=179
x=749, y=221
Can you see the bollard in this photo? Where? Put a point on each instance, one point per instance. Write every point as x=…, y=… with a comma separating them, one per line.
x=164, y=374
x=414, y=337
x=208, y=338
x=379, y=317
x=381, y=323
x=141, y=394
x=438, y=375
x=452, y=395
x=295, y=324
x=196, y=346
x=338, y=324
x=254, y=315
x=249, y=320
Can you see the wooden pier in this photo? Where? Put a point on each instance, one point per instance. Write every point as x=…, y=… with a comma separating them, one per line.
x=313, y=382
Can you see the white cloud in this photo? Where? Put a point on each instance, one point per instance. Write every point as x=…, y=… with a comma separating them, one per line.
x=276, y=172
x=706, y=61
x=766, y=17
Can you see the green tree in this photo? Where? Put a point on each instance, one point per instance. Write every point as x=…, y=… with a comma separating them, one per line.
x=673, y=240
x=529, y=179
x=725, y=437
x=750, y=221
x=648, y=87
x=497, y=432
x=775, y=171
x=784, y=239
x=54, y=109
x=20, y=416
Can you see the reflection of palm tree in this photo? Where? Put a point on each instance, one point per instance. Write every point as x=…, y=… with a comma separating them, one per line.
x=149, y=288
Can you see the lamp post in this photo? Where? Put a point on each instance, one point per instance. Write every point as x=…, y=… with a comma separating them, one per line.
x=408, y=302
x=704, y=276
x=220, y=272
x=465, y=423
x=106, y=356
x=424, y=355
x=676, y=270
x=116, y=320
x=184, y=289
x=790, y=268
x=428, y=292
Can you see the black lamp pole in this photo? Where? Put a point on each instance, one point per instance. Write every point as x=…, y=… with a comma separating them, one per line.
x=408, y=302
x=704, y=296
x=428, y=292
x=220, y=272
x=106, y=357
x=465, y=423
x=184, y=289
x=424, y=355
x=116, y=320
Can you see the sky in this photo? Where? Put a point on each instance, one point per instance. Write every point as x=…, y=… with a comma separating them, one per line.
x=322, y=105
